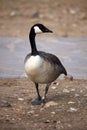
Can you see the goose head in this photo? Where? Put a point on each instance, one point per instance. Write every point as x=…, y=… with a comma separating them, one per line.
x=40, y=28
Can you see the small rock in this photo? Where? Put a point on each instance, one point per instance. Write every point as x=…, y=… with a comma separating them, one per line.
x=58, y=122
x=71, y=102
x=36, y=15
x=54, y=121
x=69, y=125
x=19, y=119
x=13, y=119
x=13, y=13
x=76, y=95
x=53, y=112
x=7, y=120
x=30, y=112
x=53, y=87
x=66, y=90
x=21, y=99
x=56, y=83
x=5, y=103
x=72, y=90
x=42, y=108
x=59, y=125
x=36, y=115
x=51, y=103
x=81, y=91
x=11, y=97
x=71, y=109
x=47, y=121
x=74, y=10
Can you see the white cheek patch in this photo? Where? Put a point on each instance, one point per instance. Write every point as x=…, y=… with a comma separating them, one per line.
x=37, y=29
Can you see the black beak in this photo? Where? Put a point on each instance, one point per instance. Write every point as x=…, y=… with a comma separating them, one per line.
x=50, y=31
x=47, y=30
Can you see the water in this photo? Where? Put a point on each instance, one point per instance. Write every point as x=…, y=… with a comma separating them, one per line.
x=72, y=51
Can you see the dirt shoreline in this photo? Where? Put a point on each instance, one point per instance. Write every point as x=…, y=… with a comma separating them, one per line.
x=66, y=105
x=65, y=108
x=65, y=18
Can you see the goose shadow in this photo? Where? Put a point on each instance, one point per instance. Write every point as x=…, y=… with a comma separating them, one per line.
x=60, y=96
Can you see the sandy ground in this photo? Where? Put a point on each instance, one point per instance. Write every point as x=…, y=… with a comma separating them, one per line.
x=65, y=108
x=65, y=18
x=66, y=105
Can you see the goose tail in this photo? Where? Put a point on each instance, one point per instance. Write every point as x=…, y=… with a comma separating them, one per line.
x=64, y=71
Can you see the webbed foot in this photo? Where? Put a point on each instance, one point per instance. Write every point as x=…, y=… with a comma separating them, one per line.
x=37, y=101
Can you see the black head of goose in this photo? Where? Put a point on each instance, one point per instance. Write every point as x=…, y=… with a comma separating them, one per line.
x=41, y=67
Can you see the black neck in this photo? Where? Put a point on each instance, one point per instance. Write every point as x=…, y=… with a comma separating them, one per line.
x=32, y=43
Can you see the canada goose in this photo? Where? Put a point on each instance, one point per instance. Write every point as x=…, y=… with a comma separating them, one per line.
x=41, y=67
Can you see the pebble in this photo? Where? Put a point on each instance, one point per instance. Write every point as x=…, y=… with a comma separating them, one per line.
x=13, y=13
x=69, y=125
x=59, y=125
x=36, y=15
x=66, y=90
x=5, y=103
x=11, y=97
x=53, y=87
x=74, y=10
x=81, y=91
x=51, y=103
x=13, y=119
x=72, y=90
x=71, y=102
x=30, y=112
x=53, y=112
x=21, y=99
x=56, y=83
x=36, y=115
x=76, y=95
x=47, y=121
x=72, y=109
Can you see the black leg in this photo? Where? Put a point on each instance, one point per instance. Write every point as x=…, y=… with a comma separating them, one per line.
x=39, y=97
x=38, y=100
x=46, y=91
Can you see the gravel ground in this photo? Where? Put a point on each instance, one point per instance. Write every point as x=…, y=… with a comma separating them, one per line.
x=66, y=105
x=65, y=18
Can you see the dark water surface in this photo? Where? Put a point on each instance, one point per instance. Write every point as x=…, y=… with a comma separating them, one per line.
x=72, y=51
